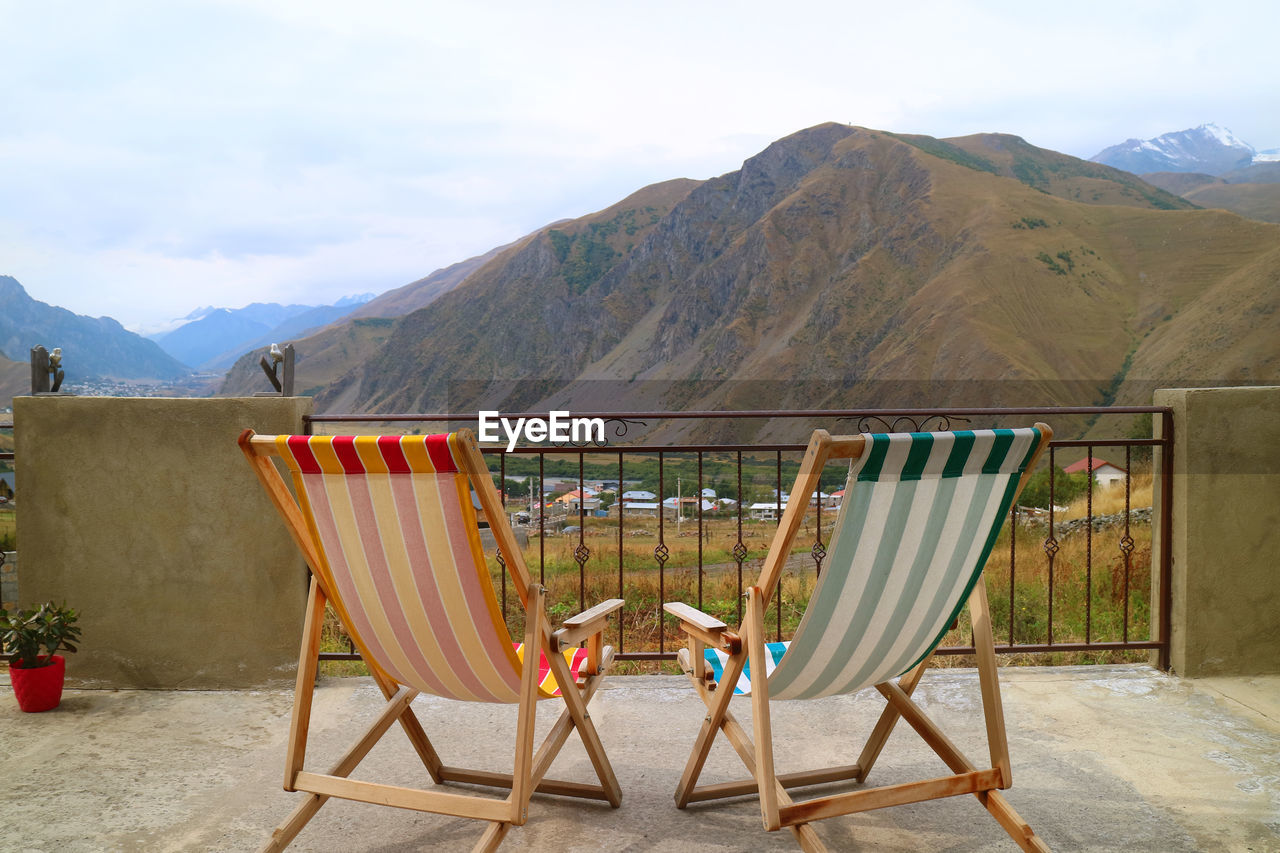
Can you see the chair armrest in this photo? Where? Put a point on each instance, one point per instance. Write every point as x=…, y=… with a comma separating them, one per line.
x=575, y=629
x=704, y=628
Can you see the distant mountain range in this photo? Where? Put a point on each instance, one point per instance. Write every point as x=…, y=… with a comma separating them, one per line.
x=1208, y=149
x=839, y=267
x=1207, y=165
x=92, y=348
x=213, y=338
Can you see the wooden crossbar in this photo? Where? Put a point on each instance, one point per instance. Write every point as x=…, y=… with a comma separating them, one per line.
x=889, y=795
x=800, y=779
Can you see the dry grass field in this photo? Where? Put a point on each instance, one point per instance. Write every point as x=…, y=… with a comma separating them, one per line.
x=1089, y=589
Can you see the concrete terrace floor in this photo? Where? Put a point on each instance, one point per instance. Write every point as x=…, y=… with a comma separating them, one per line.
x=1119, y=758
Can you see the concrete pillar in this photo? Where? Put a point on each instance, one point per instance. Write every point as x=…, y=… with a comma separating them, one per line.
x=1225, y=534
x=143, y=515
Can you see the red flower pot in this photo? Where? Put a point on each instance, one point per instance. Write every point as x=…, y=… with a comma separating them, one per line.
x=39, y=688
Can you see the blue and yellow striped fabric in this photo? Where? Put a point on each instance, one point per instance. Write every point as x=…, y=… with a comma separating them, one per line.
x=920, y=515
x=716, y=660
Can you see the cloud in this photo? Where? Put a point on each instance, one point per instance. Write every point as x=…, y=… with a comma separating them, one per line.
x=155, y=157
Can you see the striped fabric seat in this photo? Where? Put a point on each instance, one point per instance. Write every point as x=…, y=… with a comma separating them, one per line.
x=920, y=515
x=402, y=553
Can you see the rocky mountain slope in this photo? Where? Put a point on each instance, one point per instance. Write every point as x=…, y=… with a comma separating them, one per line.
x=325, y=360
x=424, y=291
x=849, y=267
x=91, y=347
x=15, y=379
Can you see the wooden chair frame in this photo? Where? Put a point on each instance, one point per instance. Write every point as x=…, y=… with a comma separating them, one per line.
x=755, y=748
x=530, y=768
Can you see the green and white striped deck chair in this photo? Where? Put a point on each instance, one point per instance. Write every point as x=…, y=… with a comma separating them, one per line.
x=389, y=528
x=920, y=515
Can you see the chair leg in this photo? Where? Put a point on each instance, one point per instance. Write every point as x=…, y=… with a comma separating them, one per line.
x=717, y=707
x=304, y=688
x=522, y=770
x=581, y=717
x=492, y=837
x=766, y=780
x=989, y=681
x=293, y=824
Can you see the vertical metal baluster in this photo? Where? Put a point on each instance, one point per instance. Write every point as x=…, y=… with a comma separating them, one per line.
x=1088, y=550
x=778, y=523
x=621, y=515
x=1013, y=535
x=542, y=520
x=582, y=553
x=1050, y=542
x=1126, y=543
x=700, y=607
x=740, y=548
x=502, y=492
x=660, y=552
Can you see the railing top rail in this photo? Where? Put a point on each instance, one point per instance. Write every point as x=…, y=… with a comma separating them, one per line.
x=762, y=413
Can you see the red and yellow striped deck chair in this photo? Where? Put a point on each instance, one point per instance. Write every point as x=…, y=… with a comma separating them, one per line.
x=388, y=527
x=920, y=515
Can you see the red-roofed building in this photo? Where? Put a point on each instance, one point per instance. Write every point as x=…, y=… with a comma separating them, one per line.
x=1104, y=473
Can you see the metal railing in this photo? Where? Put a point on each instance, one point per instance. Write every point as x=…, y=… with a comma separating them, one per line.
x=1079, y=586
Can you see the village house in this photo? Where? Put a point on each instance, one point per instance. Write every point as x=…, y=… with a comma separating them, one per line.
x=576, y=500
x=1104, y=473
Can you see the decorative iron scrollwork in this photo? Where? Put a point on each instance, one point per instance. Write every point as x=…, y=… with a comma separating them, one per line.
x=661, y=554
x=927, y=423
x=620, y=428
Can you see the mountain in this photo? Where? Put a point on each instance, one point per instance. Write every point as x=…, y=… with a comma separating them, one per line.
x=1252, y=191
x=308, y=321
x=15, y=379
x=218, y=336
x=421, y=293
x=1207, y=148
x=846, y=267
x=91, y=347
x=324, y=358
x=1048, y=171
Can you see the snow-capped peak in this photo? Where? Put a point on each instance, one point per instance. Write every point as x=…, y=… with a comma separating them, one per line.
x=1225, y=136
x=1208, y=148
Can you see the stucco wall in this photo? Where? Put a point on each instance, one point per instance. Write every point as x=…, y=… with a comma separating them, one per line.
x=142, y=514
x=1225, y=535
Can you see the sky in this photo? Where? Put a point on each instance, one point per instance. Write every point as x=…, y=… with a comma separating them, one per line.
x=156, y=157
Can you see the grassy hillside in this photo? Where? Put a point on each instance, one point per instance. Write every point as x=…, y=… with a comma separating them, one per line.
x=1256, y=201
x=1048, y=171
x=1253, y=192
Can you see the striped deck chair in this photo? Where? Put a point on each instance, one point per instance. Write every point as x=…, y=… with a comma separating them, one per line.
x=920, y=515
x=388, y=527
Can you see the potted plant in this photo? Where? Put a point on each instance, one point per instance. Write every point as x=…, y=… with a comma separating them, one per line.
x=37, y=679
